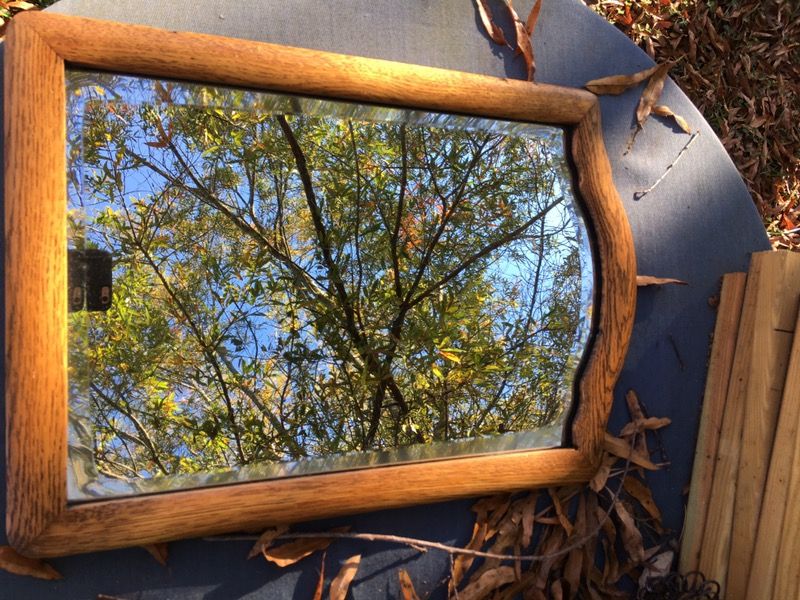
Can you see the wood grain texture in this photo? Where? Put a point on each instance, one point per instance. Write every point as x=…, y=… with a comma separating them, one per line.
x=40, y=385
x=715, y=544
x=35, y=252
x=617, y=281
x=786, y=567
x=719, y=372
x=778, y=520
x=161, y=517
x=191, y=56
x=776, y=280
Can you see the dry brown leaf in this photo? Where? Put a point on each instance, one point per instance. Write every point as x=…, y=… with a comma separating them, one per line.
x=548, y=547
x=645, y=280
x=524, y=46
x=634, y=406
x=616, y=84
x=665, y=111
x=640, y=425
x=341, y=583
x=534, y=593
x=562, y=518
x=600, y=478
x=621, y=448
x=463, y=562
x=572, y=571
x=488, y=582
x=636, y=488
x=529, y=519
x=13, y=562
x=651, y=93
x=158, y=551
x=321, y=580
x=292, y=552
x=492, y=28
x=407, y=590
x=631, y=536
x=533, y=16
x=265, y=540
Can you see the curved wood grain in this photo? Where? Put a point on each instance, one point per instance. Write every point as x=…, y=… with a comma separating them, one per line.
x=40, y=521
x=617, y=283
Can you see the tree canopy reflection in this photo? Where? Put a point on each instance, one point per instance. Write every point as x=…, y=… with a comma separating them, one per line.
x=292, y=283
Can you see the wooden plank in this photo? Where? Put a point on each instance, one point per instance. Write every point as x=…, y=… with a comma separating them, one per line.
x=719, y=373
x=777, y=519
x=777, y=285
x=35, y=250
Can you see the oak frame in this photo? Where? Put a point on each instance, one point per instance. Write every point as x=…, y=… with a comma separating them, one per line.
x=39, y=519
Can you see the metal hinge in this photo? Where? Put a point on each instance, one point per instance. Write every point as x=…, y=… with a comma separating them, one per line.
x=89, y=280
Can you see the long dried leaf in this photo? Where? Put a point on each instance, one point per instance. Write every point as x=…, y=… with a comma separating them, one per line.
x=407, y=590
x=631, y=536
x=492, y=28
x=600, y=478
x=616, y=84
x=158, y=551
x=621, y=448
x=572, y=571
x=645, y=280
x=651, y=93
x=488, y=582
x=321, y=580
x=634, y=406
x=548, y=547
x=463, y=562
x=637, y=414
x=341, y=583
x=562, y=517
x=533, y=16
x=292, y=552
x=636, y=488
x=639, y=425
x=529, y=519
x=524, y=46
x=265, y=540
x=665, y=111
x=13, y=562
x=556, y=591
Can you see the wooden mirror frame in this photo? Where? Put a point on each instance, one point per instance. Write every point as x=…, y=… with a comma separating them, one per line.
x=39, y=519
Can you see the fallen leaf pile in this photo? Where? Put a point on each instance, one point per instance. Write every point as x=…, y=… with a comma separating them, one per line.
x=567, y=542
x=739, y=62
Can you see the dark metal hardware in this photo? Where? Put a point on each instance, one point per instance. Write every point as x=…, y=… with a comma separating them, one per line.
x=89, y=280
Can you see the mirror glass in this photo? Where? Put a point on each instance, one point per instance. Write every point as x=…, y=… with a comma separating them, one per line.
x=267, y=285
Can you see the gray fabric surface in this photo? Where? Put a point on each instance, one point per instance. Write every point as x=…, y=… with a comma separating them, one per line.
x=698, y=224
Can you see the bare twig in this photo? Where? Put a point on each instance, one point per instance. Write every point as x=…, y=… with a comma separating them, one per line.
x=641, y=194
x=418, y=543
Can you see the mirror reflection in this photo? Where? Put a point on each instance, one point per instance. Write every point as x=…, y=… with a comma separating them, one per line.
x=264, y=285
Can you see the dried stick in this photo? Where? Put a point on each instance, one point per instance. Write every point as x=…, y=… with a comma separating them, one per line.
x=417, y=543
x=641, y=194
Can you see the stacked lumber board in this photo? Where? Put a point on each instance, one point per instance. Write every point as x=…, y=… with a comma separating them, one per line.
x=742, y=524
